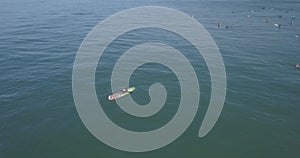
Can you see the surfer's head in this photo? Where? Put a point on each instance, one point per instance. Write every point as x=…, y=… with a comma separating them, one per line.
x=110, y=97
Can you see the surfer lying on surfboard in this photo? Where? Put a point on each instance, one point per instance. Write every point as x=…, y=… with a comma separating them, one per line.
x=121, y=93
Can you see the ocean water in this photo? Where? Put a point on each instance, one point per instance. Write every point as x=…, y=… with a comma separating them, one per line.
x=39, y=41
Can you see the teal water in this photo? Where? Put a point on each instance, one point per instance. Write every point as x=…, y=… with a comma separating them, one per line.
x=39, y=41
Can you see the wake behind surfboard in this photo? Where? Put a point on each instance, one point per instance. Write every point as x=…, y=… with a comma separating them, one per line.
x=121, y=93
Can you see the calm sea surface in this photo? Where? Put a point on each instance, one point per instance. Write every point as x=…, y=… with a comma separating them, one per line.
x=39, y=41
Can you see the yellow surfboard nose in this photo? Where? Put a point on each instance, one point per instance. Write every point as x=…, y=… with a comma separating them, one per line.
x=131, y=89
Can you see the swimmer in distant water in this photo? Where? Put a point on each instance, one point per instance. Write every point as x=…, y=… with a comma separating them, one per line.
x=293, y=18
x=278, y=25
x=297, y=66
x=219, y=24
